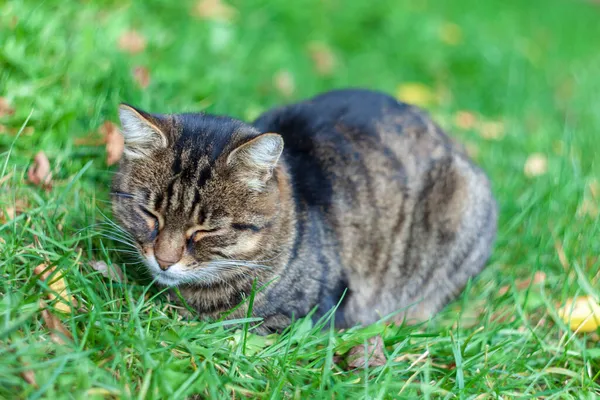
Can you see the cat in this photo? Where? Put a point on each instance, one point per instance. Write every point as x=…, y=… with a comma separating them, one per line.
x=350, y=198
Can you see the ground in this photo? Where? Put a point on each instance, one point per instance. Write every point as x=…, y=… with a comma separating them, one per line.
x=516, y=81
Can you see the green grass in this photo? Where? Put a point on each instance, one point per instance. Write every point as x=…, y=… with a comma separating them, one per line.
x=534, y=65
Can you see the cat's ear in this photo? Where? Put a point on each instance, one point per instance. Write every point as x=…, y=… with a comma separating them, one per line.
x=255, y=160
x=142, y=135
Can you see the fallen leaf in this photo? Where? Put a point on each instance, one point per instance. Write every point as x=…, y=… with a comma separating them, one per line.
x=58, y=286
x=113, y=272
x=132, y=42
x=465, y=119
x=522, y=284
x=89, y=141
x=55, y=326
x=491, y=130
x=5, y=108
x=536, y=165
x=415, y=93
x=562, y=257
x=370, y=356
x=27, y=131
x=323, y=59
x=6, y=178
x=582, y=314
x=214, y=10
x=450, y=33
x=284, y=83
x=39, y=173
x=141, y=76
x=11, y=212
x=28, y=375
x=115, y=143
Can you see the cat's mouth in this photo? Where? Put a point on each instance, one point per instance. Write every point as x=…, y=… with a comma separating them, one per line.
x=179, y=273
x=173, y=276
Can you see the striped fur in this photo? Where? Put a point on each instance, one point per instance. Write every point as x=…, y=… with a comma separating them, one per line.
x=368, y=198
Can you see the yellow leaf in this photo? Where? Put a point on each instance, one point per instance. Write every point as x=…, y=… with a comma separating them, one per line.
x=215, y=10
x=415, y=93
x=58, y=286
x=582, y=314
x=491, y=130
x=450, y=33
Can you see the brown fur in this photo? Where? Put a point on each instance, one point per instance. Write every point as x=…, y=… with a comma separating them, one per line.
x=368, y=197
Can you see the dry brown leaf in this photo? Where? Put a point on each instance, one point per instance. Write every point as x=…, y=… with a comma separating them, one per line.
x=284, y=83
x=371, y=356
x=450, y=33
x=89, y=141
x=114, y=272
x=39, y=173
x=214, y=10
x=491, y=130
x=562, y=257
x=522, y=284
x=115, y=143
x=465, y=119
x=58, y=286
x=323, y=58
x=58, y=332
x=28, y=375
x=27, y=131
x=5, y=178
x=11, y=212
x=5, y=108
x=141, y=75
x=132, y=42
x=535, y=165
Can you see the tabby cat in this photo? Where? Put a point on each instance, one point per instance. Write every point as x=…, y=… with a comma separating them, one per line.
x=350, y=197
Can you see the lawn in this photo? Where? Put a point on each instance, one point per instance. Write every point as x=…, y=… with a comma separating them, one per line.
x=518, y=82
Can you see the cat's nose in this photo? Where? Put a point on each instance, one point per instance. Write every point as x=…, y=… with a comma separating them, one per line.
x=164, y=264
x=168, y=248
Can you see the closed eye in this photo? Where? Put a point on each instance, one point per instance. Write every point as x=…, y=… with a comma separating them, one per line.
x=197, y=232
x=122, y=195
x=247, y=227
x=153, y=220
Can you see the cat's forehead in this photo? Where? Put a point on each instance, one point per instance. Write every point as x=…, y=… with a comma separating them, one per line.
x=207, y=135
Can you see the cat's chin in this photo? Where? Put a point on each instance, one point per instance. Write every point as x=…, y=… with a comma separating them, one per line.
x=177, y=275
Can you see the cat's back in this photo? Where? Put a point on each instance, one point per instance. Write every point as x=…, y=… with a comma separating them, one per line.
x=351, y=133
x=393, y=206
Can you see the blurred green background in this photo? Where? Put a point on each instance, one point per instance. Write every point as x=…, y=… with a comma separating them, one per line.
x=516, y=81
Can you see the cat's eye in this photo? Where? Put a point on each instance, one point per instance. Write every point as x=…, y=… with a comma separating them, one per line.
x=122, y=195
x=153, y=220
x=196, y=233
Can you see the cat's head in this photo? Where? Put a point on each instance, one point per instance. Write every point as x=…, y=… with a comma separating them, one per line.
x=195, y=191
